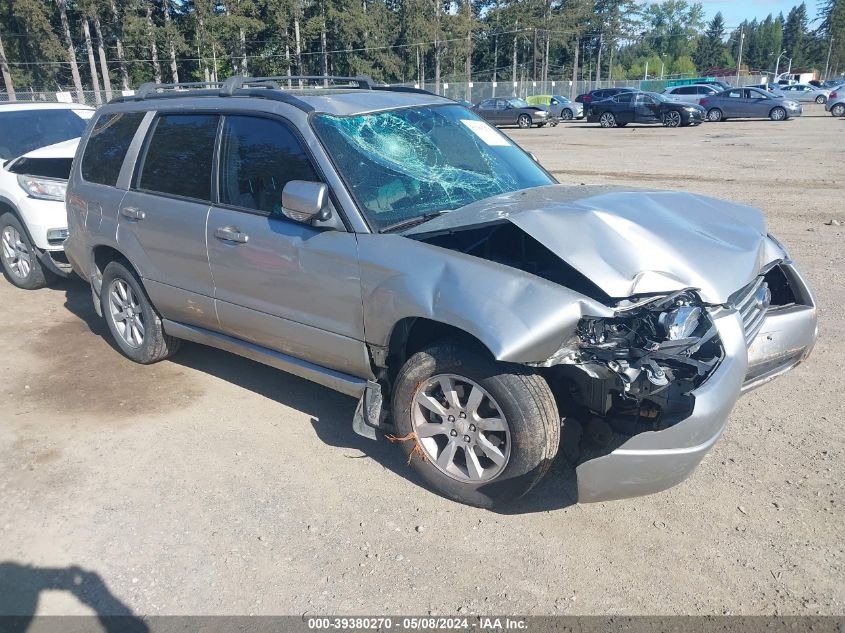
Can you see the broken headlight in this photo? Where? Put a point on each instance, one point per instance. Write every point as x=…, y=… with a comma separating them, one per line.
x=651, y=343
x=680, y=322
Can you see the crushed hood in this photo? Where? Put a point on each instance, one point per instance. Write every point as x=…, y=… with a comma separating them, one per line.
x=633, y=242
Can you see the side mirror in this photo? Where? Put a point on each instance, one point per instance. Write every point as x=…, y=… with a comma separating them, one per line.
x=304, y=201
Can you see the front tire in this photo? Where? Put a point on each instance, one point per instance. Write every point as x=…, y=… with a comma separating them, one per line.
x=607, y=120
x=480, y=432
x=524, y=121
x=567, y=114
x=20, y=257
x=777, y=114
x=132, y=320
x=672, y=119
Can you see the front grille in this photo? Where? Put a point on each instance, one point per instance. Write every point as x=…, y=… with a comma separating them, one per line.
x=752, y=302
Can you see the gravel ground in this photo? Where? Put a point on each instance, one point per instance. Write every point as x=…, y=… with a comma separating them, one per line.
x=210, y=484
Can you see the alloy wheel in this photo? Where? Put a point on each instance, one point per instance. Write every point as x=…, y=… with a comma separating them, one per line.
x=778, y=114
x=820, y=99
x=607, y=120
x=524, y=121
x=715, y=115
x=15, y=253
x=126, y=313
x=672, y=119
x=566, y=114
x=461, y=428
x=838, y=109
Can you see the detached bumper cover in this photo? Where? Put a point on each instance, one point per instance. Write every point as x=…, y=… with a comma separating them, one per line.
x=654, y=461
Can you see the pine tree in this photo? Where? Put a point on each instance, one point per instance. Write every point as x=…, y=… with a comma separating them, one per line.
x=711, y=46
x=796, y=37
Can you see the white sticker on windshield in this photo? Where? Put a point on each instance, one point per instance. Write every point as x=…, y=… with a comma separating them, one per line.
x=485, y=132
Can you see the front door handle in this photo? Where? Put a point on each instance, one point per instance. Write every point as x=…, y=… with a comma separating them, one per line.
x=231, y=234
x=133, y=213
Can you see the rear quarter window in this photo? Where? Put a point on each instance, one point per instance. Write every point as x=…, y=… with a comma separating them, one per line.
x=107, y=146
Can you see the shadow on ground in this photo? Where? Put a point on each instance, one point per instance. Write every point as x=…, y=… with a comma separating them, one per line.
x=331, y=412
x=22, y=585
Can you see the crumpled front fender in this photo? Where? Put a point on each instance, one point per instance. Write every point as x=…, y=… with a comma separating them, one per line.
x=519, y=317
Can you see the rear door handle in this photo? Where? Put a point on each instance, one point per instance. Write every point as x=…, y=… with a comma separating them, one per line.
x=231, y=234
x=133, y=213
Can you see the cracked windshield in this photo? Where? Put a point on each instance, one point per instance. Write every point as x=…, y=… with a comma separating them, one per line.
x=412, y=164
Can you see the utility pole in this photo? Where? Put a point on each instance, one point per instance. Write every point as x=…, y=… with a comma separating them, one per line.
x=739, y=57
x=495, y=60
x=598, y=61
x=829, y=48
x=574, y=88
x=515, y=33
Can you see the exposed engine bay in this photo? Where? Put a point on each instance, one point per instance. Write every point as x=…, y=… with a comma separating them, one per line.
x=615, y=377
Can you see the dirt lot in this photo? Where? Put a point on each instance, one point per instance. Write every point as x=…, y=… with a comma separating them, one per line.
x=211, y=484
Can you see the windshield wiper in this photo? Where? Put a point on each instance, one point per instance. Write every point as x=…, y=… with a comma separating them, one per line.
x=409, y=222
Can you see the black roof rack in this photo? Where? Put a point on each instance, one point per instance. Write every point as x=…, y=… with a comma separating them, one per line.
x=151, y=88
x=240, y=85
x=239, y=81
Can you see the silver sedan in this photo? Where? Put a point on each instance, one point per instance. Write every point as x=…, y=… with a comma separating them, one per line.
x=805, y=92
x=748, y=103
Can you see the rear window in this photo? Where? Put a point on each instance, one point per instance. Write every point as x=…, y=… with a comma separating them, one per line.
x=22, y=131
x=58, y=168
x=179, y=155
x=107, y=146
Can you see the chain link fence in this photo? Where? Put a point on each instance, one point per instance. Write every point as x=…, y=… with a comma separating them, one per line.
x=462, y=91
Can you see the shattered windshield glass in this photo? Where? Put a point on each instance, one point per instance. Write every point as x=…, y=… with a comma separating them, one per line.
x=410, y=163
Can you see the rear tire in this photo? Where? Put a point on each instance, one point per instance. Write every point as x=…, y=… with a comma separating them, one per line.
x=715, y=115
x=20, y=257
x=517, y=433
x=838, y=110
x=134, y=323
x=821, y=99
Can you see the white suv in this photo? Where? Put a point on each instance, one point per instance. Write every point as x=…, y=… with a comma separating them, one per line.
x=37, y=145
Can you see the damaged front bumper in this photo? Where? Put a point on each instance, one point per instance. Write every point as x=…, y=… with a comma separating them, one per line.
x=656, y=460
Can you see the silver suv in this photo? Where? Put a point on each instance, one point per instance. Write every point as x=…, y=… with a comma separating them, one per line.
x=391, y=245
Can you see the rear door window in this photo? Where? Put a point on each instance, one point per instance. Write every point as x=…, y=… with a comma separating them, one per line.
x=258, y=158
x=107, y=146
x=179, y=156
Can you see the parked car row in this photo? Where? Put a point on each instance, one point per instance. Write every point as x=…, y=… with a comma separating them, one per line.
x=395, y=247
x=677, y=106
